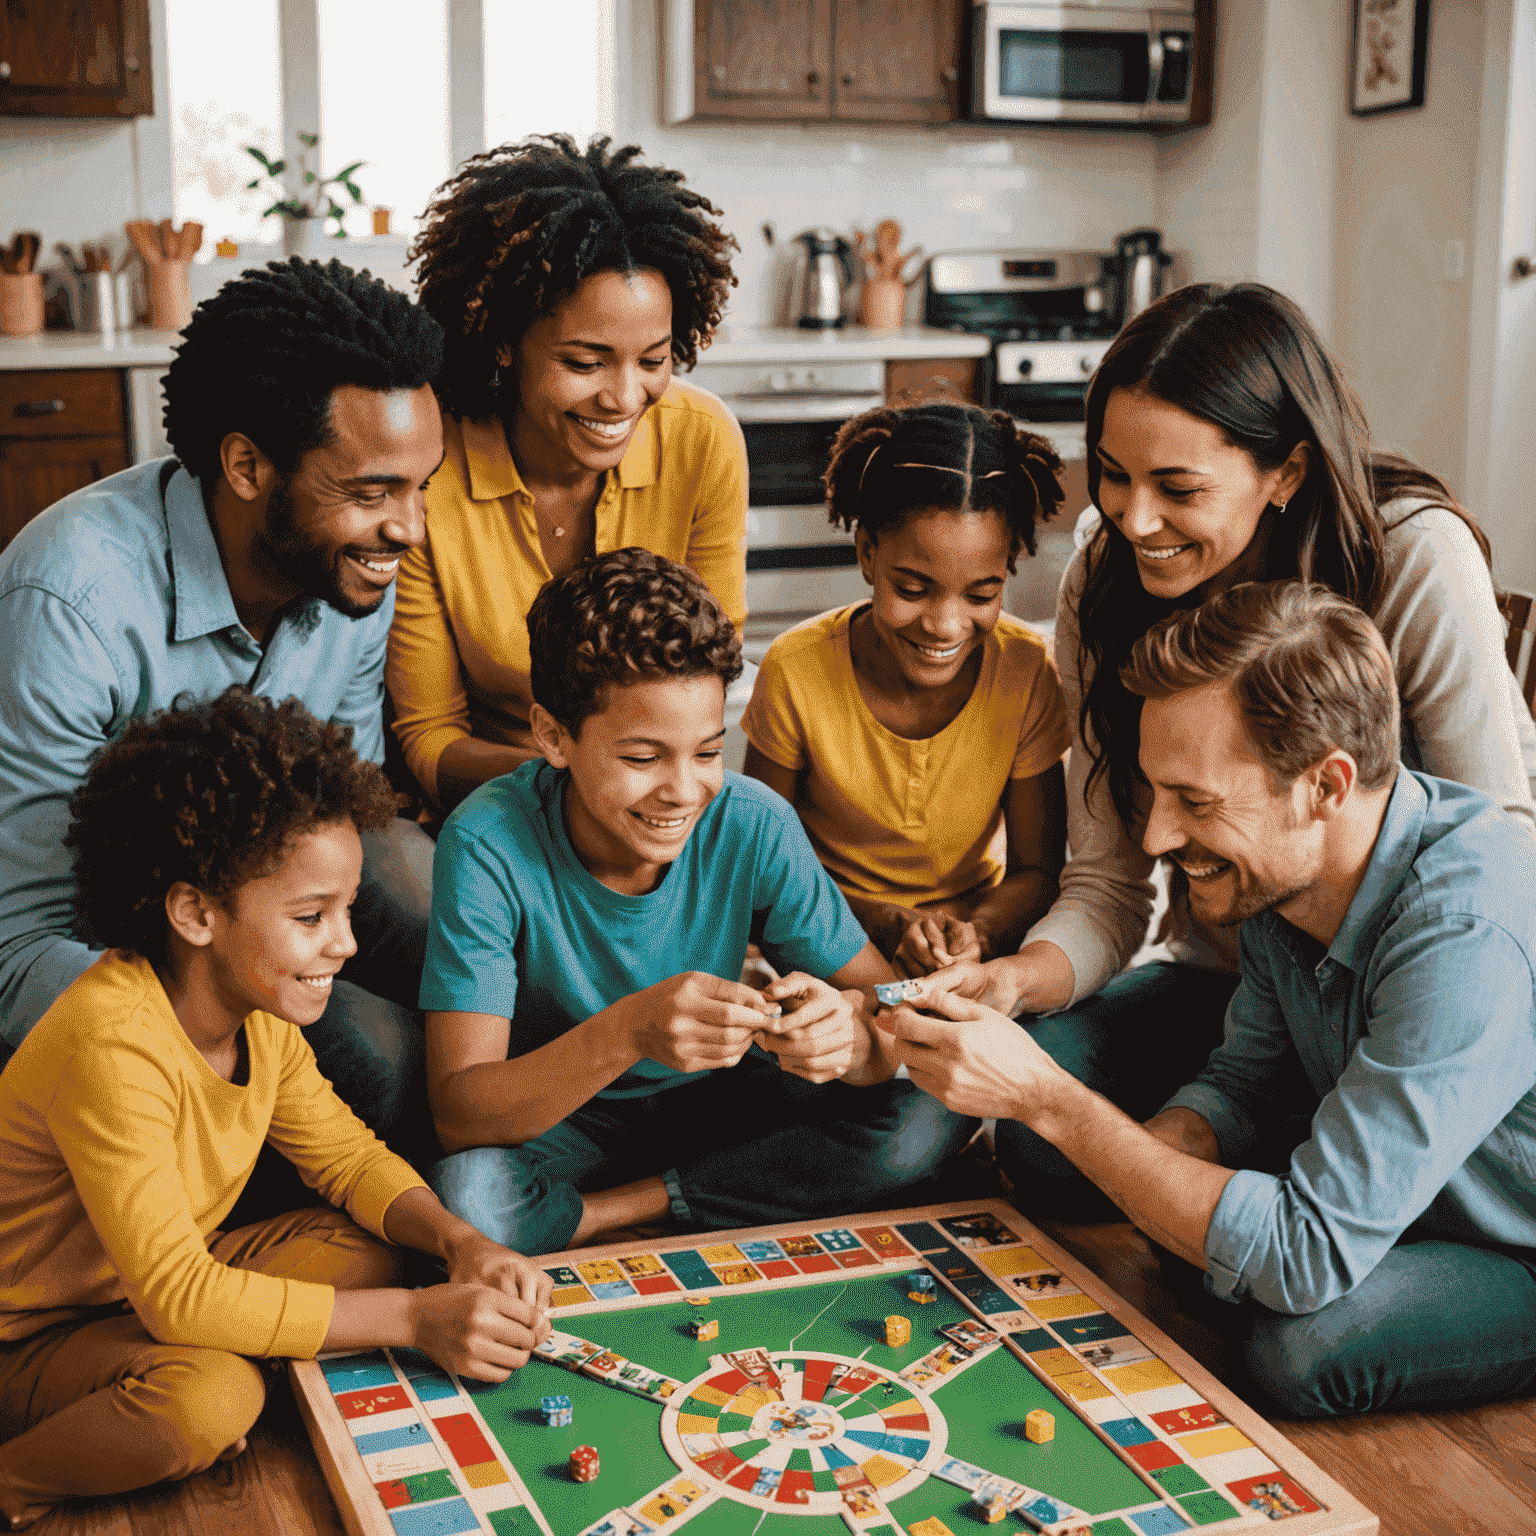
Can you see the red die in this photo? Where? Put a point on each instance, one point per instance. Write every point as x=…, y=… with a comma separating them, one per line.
x=584, y=1464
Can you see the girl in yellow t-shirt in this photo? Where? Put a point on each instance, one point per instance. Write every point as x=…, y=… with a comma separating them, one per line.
x=920, y=735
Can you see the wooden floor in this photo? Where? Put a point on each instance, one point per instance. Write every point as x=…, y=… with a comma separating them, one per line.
x=1465, y=1473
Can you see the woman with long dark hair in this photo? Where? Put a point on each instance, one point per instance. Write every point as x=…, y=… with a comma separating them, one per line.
x=1224, y=445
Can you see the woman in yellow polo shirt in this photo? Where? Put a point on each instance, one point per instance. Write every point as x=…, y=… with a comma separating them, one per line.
x=568, y=283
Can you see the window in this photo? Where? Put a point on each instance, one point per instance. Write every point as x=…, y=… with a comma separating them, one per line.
x=562, y=93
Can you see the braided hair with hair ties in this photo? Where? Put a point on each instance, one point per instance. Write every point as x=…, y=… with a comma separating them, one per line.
x=516, y=229
x=894, y=461
x=263, y=355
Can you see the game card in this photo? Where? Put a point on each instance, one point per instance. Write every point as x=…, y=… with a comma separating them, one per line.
x=804, y=1247
x=1104, y=1353
x=642, y=1266
x=761, y=1251
x=983, y=1230
x=969, y=1334
x=619, y=1522
x=963, y=1474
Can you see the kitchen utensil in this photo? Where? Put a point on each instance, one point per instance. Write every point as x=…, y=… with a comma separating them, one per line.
x=883, y=303
x=191, y=239
x=71, y=260
x=168, y=243
x=822, y=277
x=146, y=240
x=21, y=303
x=98, y=302
x=1139, y=264
x=21, y=257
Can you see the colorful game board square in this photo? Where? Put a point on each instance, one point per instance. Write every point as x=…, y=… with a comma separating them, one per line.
x=408, y=1438
x=856, y=1258
x=721, y=1253
x=654, y=1285
x=795, y=1485
x=612, y=1290
x=599, y=1271
x=1056, y=1361
x=1033, y=1339
x=719, y=1464
x=351, y=1373
x=1082, y=1387
x=690, y=1268
x=914, y=1447
x=1049, y=1308
x=512, y=1520
x=990, y=1301
x=641, y=1265
x=777, y=1269
x=738, y=1274
x=1143, y=1376
x=1112, y=1527
x=1212, y=1442
x=433, y=1388
x=1010, y=1261
x=1179, y=1478
x=814, y=1264
x=734, y=1423
x=1127, y=1431
x=823, y=1481
x=461, y=1434
x=697, y=1424
x=981, y=1230
x=422, y=1488
x=839, y=1240
x=1273, y=1494
x=923, y=1235
x=745, y=1479
x=563, y=1274
x=1097, y=1325
x=393, y=1494
x=883, y=1240
x=882, y=1471
x=1207, y=1508
x=760, y=1248
x=1153, y=1454
x=709, y=1396
x=446, y=1519
x=569, y=1296
x=1181, y=1421
x=357, y=1405
x=801, y=1246
x=485, y=1474
x=1159, y=1522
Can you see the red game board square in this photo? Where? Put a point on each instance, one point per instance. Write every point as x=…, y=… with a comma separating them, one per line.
x=856, y=1259
x=653, y=1285
x=776, y=1269
x=462, y=1436
x=906, y=1424
x=729, y=1382
x=1179, y=1421
x=1152, y=1455
x=1270, y=1493
x=393, y=1494
x=883, y=1240
x=815, y=1263
x=745, y=1478
x=357, y=1405
x=793, y=1487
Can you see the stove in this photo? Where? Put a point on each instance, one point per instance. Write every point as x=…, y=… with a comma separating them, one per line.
x=1050, y=315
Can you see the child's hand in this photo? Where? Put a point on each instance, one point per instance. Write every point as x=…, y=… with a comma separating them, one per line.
x=697, y=1022
x=817, y=1037
x=933, y=940
x=478, y=1260
x=475, y=1330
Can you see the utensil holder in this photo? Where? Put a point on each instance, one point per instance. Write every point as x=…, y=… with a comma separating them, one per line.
x=21, y=303
x=98, y=303
x=170, y=294
x=884, y=303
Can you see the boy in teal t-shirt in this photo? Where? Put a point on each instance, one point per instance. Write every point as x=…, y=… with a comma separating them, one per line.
x=593, y=1060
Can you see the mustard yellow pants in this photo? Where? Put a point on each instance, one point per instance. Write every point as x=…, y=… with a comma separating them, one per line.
x=97, y=1406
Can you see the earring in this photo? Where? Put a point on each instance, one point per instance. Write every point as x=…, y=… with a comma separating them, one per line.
x=1280, y=508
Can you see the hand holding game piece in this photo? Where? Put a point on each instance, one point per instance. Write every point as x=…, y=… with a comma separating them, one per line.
x=696, y=1022
x=475, y=1330
x=818, y=1038
x=478, y=1260
x=933, y=940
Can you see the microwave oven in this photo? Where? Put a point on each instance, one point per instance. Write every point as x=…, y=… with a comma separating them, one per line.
x=1096, y=61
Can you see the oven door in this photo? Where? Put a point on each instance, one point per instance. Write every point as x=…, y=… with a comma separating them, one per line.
x=1062, y=64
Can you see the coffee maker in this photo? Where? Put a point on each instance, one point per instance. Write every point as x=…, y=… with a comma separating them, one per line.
x=823, y=275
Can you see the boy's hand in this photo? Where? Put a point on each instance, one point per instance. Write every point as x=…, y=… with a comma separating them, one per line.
x=475, y=1330
x=697, y=1022
x=818, y=1037
x=933, y=940
x=477, y=1260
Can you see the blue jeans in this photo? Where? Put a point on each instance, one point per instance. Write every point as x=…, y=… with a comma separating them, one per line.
x=746, y=1146
x=1137, y=1041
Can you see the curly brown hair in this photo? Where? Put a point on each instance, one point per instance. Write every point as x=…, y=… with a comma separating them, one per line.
x=513, y=232
x=893, y=461
x=620, y=618
x=210, y=792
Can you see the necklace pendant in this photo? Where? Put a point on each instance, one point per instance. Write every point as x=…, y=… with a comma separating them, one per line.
x=559, y=533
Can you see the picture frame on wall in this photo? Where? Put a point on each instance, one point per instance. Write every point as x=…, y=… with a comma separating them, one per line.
x=1390, y=59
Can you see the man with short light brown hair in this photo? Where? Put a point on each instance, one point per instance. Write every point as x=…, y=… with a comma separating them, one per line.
x=1387, y=937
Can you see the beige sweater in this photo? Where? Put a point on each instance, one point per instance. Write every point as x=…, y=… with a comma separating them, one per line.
x=1463, y=719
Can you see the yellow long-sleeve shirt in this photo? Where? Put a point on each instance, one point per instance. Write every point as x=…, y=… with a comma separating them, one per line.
x=121, y=1150
x=458, y=648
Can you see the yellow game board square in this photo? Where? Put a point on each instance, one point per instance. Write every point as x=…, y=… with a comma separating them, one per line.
x=638, y=1264
x=707, y=1394
x=932, y=1526
x=722, y=1253
x=1061, y=1306
x=485, y=1474
x=907, y=1405
x=1143, y=1376
x=569, y=1295
x=1011, y=1261
x=696, y=1424
x=1082, y=1386
x=882, y=1471
x=1211, y=1442
x=1057, y=1362
x=750, y=1399
x=600, y=1272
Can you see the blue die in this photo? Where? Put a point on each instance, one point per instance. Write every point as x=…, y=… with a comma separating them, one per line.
x=556, y=1410
x=920, y=1280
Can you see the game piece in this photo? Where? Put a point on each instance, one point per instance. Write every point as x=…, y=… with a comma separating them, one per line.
x=556, y=1410
x=697, y=1301
x=1039, y=1426
x=705, y=1328
x=893, y=992
x=584, y=1464
x=898, y=1330
x=993, y=1506
x=922, y=1287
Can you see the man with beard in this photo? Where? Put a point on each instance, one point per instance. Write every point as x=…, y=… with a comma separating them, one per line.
x=300, y=409
x=1387, y=934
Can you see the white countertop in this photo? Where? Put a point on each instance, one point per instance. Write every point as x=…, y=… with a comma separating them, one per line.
x=851, y=344
x=138, y=348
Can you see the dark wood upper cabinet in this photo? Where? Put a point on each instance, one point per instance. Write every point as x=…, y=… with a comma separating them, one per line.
x=75, y=58
x=897, y=61
x=763, y=58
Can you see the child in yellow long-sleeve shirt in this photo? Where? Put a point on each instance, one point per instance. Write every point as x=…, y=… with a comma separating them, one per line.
x=217, y=854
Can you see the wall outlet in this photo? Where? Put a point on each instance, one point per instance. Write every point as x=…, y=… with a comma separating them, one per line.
x=1455, y=261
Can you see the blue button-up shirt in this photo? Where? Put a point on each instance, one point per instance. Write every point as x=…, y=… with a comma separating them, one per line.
x=1416, y=1028
x=112, y=602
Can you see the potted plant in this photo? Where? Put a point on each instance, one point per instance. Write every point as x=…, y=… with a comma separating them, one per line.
x=304, y=215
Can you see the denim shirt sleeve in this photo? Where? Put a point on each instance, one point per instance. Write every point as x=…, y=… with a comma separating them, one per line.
x=1446, y=1053
x=362, y=705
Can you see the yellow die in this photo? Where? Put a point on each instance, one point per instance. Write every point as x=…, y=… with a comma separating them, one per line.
x=1039, y=1425
x=898, y=1330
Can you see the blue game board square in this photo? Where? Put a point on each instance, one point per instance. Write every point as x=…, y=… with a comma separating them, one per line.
x=992, y=1301
x=433, y=1388
x=907, y=1445
x=689, y=1267
x=874, y=1438
x=1159, y=1521
x=1127, y=1432
x=839, y=1240
x=413, y=1363
x=923, y=1236
x=446, y=1519
x=380, y=1440
x=1090, y=1329
x=1032, y=1340
x=351, y=1373
x=612, y=1290
x=761, y=1249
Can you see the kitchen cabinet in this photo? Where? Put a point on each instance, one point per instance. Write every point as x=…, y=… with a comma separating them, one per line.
x=815, y=60
x=60, y=429
x=89, y=58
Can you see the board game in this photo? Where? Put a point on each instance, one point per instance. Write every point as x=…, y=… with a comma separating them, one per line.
x=913, y=1371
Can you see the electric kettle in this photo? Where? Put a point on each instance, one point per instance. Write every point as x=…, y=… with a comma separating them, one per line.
x=823, y=275
x=1139, y=263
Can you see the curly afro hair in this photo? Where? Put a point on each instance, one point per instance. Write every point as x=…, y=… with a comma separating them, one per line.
x=510, y=236
x=896, y=460
x=264, y=353
x=621, y=618
x=210, y=792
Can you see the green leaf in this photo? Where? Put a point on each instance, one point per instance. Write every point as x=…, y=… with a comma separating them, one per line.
x=309, y=178
x=251, y=186
x=277, y=167
x=351, y=187
x=308, y=140
x=346, y=170
x=258, y=157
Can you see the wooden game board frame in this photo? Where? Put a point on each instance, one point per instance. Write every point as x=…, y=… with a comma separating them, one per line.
x=362, y=1513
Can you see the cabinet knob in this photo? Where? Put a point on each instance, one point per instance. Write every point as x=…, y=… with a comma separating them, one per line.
x=132, y=63
x=39, y=407
x=950, y=73
x=1522, y=268
x=5, y=70
x=813, y=78
x=847, y=79
x=719, y=71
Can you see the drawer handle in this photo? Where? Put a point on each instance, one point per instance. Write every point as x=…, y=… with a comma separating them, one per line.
x=39, y=407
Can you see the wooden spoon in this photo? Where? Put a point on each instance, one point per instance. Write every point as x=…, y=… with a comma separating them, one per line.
x=191, y=239
x=145, y=240
x=168, y=239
